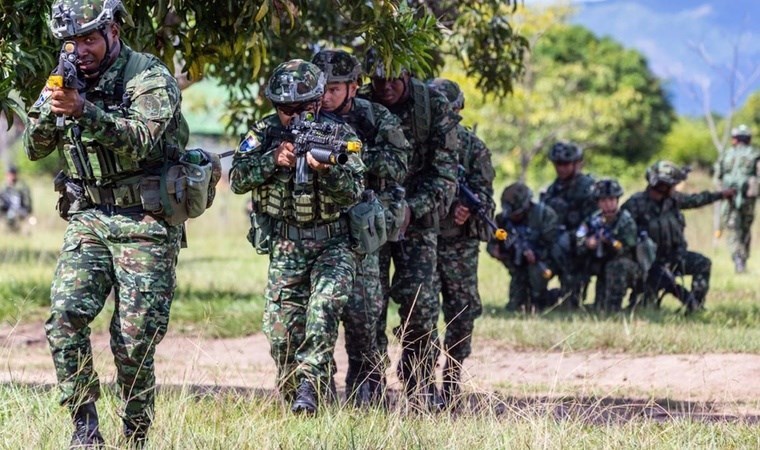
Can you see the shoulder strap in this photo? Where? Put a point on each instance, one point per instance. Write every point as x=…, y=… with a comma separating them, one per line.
x=422, y=116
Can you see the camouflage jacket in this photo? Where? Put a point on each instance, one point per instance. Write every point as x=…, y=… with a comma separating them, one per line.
x=538, y=228
x=431, y=179
x=385, y=148
x=120, y=138
x=475, y=158
x=736, y=168
x=571, y=200
x=663, y=220
x=14, y=199
x=622, y=229
x=332, y=191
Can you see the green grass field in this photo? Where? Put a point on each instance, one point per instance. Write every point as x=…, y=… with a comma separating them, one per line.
x=220, y=294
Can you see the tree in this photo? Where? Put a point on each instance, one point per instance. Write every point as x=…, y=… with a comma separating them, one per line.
x=578, y=87
x=241, y=41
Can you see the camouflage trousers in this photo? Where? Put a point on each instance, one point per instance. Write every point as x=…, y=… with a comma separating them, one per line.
x=136, y=256
x=458, y=277
x=665, y=276
x=613, y=279
x=309, y=284
x=738, y=221
x=360, y=316
x=414, y=289
x=571, y=270
x=527, y=288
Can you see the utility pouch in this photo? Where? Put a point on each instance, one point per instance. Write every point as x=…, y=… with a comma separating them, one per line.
x=261, y=232
x=71, y=196
x=753, y=187
x=367, y=223
x=394, y=205
x=646, y=251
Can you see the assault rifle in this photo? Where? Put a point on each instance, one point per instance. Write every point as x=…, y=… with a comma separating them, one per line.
x=319, y=139
x=604, y=235
x=474, y=204
x=519, y=244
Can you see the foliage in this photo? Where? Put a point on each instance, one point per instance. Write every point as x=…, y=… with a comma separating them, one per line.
x=240, y=42
x=689, y=142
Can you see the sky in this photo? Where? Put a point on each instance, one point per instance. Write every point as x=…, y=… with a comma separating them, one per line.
x=667, y=31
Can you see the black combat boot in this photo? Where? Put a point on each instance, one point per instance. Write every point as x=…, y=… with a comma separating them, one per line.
x=357, y=385
x=86, y=429
x=135, y=434
x=451, y=391
x=306, y=399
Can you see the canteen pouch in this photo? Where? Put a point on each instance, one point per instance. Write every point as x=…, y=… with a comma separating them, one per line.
x=367, y=223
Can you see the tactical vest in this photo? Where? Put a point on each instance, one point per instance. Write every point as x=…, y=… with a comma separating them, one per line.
x=111, y=178
x=665, y=224
x=570, y=201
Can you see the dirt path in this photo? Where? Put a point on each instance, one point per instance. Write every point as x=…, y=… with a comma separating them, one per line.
x=727, y=383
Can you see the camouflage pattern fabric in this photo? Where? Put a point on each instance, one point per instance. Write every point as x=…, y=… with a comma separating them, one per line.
x=15, y=205
x=136, y=257
x=309, y=279
x=430, y=189
x=528, y=286
x=665, y=223
x=736, y=168
x=572, y=200
x=617, y=270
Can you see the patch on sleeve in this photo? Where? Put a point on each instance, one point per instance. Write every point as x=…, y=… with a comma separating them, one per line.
x=44, y=95
x=250, y=142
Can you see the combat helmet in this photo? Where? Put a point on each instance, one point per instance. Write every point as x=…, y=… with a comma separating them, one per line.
x=338, y=66
x=450, y=89
x=516, y=198
x=69, y=18
x=605, y=188
x=741, y=131
x=295, y=81
x=565, y=152
x=666, y=172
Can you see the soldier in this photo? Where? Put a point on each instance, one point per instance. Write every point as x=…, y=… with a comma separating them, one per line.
x=739, y=168
x=429, y=125
x=303, y=226
x=657, y=210
x=459, y=245
x=384, y=152
x=532, y=230
x=607, y=241
x=128, y=126
x=15, y=200
x=570, y=197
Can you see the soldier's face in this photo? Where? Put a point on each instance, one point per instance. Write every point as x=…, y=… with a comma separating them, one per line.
x=336, y=94
x=608, y=205
x=91, y=49
x=564, y=170
x=388, y=92
x=287, y=112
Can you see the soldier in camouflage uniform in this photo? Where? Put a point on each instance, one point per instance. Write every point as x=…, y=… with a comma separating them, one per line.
x=739, y=168
x=429, y=125
x=15, y=200
x=304, y=228
x=657, y=210
x=459, y=245
x=570, y=197
x=532, y=230
x=384, y=152
x=607, y=241
x=128, y=127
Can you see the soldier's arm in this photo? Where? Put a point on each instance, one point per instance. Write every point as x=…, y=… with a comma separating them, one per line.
x=41, y=136
x=155, y=100
x=344, y=183
x=439, y=185
x=548, y=232
x=480, y=173
x=627, y=232
x=689, y=201
x=386, y=156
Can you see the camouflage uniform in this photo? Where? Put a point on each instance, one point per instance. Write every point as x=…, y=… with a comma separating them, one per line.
x=311, y=262
x=537, y=230
x=664, y=223
x=429, y=125
x=110, y=242
x=572, y=201
x=739, y=168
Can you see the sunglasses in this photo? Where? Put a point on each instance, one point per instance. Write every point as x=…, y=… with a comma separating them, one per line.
x=292, y=110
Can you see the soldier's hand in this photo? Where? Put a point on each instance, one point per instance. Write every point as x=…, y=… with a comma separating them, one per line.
x=530, y=257
x=728, y=193
x=461, y=214
x=314, y=164
x=66, y=102
x=285, y=155
x=591, y=242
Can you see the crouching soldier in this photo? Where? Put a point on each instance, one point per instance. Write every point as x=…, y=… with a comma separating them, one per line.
x=607, y=241
x=532, y=229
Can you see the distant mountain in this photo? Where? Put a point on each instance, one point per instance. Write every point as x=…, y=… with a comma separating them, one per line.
x=665, y=31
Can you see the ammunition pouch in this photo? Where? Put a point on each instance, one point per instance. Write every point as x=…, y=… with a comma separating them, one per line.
x=367, y=222
x=395, y=210
x=261, y=232
x=71, y=196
